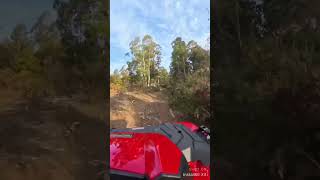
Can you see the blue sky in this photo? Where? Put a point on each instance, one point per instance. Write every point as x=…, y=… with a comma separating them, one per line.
x=164, y=20
x=13, y=12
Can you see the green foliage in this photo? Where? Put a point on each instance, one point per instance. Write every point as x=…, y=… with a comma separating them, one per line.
x=145, y=64
x=32, y=84
x=58, y=57
x=27, y=62
x=119, y=80
x=163, y=77
x=6, y=56
x=265, y=84
x=187, y=84
x=82, y=25
x=180, y=66
x=190, y=80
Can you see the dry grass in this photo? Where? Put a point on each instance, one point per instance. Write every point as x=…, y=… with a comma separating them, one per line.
x=8, y=98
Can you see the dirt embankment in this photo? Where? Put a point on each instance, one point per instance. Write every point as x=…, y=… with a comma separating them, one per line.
x=136, y=108
x=52, y=139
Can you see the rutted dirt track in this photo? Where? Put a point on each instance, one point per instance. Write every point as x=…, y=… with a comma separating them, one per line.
x=52, y=141
x=136, y=108
x=64, y=138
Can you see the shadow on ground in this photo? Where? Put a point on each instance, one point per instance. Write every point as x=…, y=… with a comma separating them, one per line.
x=119, y=124
x=40, y=140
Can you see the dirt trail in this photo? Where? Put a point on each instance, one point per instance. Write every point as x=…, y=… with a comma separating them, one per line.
x=137, y=108
x=50, y=140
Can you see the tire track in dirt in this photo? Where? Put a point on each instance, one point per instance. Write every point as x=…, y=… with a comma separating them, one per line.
x=43, y=140
x=137, y=108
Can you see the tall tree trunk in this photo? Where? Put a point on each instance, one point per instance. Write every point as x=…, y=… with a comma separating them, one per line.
x=184, y=69
x=144, y=70
x=149, y=73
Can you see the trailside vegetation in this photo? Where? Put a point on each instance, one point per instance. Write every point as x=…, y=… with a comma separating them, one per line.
x=61, y=54
x=266, y=93
x=186, y=83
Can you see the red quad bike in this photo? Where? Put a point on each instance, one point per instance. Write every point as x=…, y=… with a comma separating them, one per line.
x=168, y=151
